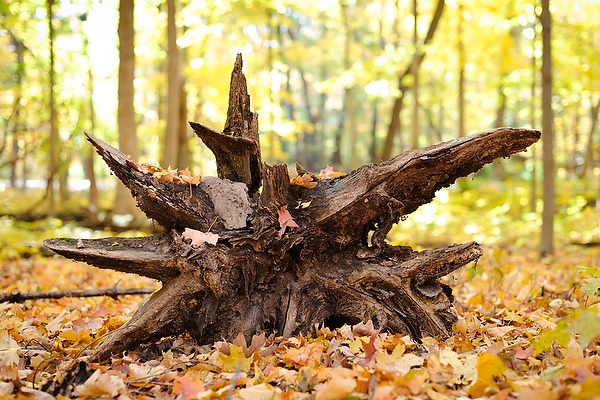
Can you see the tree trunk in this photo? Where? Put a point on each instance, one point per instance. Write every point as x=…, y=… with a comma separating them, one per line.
x=547, y=234
x=461, y=72
x=589, y=148
x=287, y=257
x=415, y=86
x=53, y=138
x=172, y=134
x=124, y=204
x=89, y=157
x=533, y=108
x=415, y=64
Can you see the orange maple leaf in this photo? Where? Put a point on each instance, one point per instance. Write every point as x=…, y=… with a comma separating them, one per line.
x=304, y=180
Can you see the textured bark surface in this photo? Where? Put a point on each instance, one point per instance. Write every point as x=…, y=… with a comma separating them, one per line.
x=335, y=267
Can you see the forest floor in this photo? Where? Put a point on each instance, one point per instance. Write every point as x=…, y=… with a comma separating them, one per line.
x=528, y=326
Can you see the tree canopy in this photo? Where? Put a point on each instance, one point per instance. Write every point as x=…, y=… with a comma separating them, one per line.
x=324, y=75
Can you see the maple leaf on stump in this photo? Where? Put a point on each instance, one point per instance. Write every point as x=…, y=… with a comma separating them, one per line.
x=287, y=257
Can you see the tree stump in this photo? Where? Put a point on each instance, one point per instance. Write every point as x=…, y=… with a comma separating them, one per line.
x=287, y=257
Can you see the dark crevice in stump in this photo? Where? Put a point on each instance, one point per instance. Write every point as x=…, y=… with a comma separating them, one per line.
x=261, y=276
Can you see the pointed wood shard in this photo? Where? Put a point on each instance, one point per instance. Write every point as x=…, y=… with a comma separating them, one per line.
x=237, y=149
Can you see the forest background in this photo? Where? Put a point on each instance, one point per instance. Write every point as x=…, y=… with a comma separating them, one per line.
x=339, y=83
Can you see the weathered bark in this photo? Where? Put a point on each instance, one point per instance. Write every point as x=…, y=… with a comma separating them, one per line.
x=334, y=267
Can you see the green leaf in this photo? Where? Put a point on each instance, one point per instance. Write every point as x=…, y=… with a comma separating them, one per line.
x=561, y=333
x=589, y=270
x=587, y=325
x=591, y=286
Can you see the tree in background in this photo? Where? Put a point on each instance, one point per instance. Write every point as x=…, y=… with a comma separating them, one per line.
x=547, y=237
x=53, y=138
x=124, y=204
x=403, y=87
x=173, y=140
x=325, y=77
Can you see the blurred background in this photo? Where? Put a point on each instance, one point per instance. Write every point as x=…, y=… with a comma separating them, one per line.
x=340, y=83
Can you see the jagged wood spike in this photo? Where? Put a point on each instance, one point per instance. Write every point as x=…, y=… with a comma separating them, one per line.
x=237, y=149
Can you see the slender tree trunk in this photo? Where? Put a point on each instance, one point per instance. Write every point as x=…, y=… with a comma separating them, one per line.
x=349, y=102
x=272, y=137
x=184, y=156
x=374, y=120
x=124, y=204
x=183, y=148
x=547, y=234
x=461, y=73
x=309, y=135
x=172, y=134
x=589, y=148
x=534, y=156
x=403, y=88
x=16, y=117
x=54, y=161
x=89, y=160
x=336, y=157
x=415, y=86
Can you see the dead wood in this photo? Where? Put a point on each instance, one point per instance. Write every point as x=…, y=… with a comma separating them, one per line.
x=334, y=267
x=114, y=292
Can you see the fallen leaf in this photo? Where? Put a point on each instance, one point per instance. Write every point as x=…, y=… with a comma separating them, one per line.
x=488, y=367
x=338, y=387
x=235, y=361
x=132, y=163
x=285, y=220
x=186, y=176
x=199, y=237
x=365, y=329
x=9, y=349
x=328, y=173
x=304, y=180
x=100, y=384
x=523, y=354
x=262, y=391
x=187, y=388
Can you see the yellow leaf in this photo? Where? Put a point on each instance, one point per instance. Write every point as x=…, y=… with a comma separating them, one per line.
x=488, y=367
x=263, y=391
x=477, y=299
x=235, y=361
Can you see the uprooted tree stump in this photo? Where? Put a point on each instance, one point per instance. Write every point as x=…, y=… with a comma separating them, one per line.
x=264, y=273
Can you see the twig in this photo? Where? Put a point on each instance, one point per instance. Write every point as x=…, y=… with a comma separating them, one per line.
x=18, y=297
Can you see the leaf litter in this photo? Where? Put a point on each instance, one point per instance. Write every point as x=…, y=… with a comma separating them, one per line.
x=528, y=328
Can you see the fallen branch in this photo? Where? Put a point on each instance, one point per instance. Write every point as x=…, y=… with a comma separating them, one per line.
x=18, y=297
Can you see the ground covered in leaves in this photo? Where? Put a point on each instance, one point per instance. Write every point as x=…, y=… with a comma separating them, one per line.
x=528, y=326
